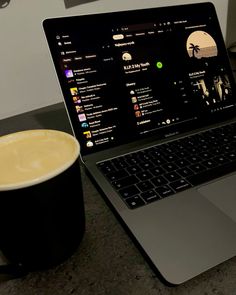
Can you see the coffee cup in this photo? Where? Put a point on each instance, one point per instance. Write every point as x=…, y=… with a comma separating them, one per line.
x=42, y=218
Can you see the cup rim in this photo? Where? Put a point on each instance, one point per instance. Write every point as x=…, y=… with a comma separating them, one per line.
x=47, y=176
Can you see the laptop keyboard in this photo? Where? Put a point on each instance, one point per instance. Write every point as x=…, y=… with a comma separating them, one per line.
x=158, y=172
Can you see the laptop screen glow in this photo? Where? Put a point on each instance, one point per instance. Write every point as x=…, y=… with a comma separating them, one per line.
x=131, y=75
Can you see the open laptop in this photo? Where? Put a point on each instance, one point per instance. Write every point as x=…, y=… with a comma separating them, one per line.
x=151, y=99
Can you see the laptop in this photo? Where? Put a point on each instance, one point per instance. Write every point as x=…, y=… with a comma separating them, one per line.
x=151, y=98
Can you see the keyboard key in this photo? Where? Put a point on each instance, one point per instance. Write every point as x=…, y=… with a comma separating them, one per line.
x=172, y=176
x=134, y=202
x=170, y=167
x=231, y=155
x=170, y=158
x=216, y=151
x=183, y=154
x=196, y=168
x=180, y=185
x=227, y=148
x=150, y=196
x=133, y=169
x=147, y=165
x=155, y=152
x=132, y=159
x=164, y=191
x=117, y=175
x=144, y=175
x=159, y=161
x=120, y=163
x=143, y=156
x=209, y=164
x=145, y=185
x=184, y=172
x=205, y=155
x=160, y=180
x=127, y=181
x=106, y=167
x=182, y=163
x=129, y=191
x=221, y=160
x=194, y=159
x=157, y=171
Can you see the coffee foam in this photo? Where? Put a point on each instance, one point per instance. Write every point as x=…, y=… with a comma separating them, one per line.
x=33, y=156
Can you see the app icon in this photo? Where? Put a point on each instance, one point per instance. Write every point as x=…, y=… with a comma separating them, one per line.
x=76, y=99
x=84, y=125
x=89, y=143
x=159, y=65
x=69, y=73
x=87, y=134
x=79, y=109
x=82, y=117
x=138, y=114
x=74, y=91
x=126, y=56
x=136, y=107
x=134, y=99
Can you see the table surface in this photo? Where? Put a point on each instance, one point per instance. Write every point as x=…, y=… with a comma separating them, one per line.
x=107, y=261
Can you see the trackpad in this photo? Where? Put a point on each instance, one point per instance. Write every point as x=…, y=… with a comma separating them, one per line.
x=222, y=194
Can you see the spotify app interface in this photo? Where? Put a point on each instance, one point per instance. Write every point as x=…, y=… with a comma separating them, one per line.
x=126, y=80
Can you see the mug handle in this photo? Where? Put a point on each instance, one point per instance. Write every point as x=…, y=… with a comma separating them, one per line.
x=10, y=269
x=13, y=270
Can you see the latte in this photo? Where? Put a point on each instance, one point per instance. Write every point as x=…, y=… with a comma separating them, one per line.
x=33, y=156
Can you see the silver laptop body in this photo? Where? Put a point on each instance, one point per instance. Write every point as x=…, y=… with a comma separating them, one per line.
x=135, y=83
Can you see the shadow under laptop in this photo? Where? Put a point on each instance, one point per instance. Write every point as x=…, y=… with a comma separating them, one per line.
x=51, y=117
x=54, y=118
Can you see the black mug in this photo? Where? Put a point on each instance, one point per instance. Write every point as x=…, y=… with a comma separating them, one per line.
x=42, y=218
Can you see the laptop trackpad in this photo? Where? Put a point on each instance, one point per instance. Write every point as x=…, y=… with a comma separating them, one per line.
x=222, y=194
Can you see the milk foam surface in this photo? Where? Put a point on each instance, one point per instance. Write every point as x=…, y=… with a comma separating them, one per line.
x=32, y=156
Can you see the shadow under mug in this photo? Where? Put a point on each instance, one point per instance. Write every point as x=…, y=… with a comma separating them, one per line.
x=42, y=218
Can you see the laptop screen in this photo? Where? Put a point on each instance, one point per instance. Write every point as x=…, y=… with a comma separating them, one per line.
x=131, y=75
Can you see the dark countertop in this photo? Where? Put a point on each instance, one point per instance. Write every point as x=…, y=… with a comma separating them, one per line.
x=106, y=262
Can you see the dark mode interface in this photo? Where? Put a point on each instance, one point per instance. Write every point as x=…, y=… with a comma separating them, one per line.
x=131, y=80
